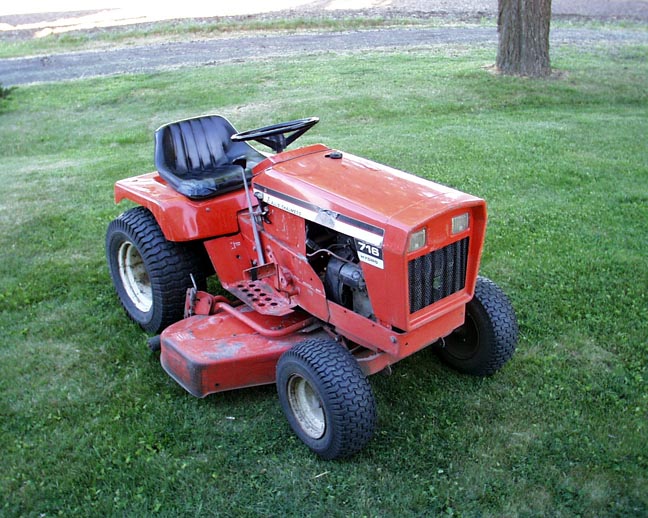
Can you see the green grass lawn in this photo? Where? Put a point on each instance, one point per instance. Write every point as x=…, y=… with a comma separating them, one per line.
x=90, y=424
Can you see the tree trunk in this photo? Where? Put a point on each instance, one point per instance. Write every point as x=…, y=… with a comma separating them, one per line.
x=523, y=27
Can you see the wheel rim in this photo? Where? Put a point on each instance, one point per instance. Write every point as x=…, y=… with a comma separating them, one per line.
x=463, y=344
x=306, y=406
x=134, y=276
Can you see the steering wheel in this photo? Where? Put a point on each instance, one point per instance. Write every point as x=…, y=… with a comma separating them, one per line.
x=274, y=136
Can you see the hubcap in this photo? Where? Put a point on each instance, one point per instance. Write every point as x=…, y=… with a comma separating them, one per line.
x=134, y=276
x=463, y=343
x=306, y=406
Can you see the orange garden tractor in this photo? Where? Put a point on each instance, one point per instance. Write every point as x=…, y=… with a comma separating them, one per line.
x=337, y=267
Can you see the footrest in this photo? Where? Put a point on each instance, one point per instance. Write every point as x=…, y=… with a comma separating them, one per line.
x=261, y=297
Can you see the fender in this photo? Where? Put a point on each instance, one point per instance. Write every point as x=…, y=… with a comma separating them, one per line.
x=180, y=218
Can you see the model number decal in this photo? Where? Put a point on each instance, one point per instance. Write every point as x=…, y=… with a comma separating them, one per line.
x=368, y=249
x=370, y=254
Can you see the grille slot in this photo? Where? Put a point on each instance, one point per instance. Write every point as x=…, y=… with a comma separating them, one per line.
x=437, y=275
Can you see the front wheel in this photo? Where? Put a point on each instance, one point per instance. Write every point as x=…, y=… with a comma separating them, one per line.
x=487, y=339
x=326, y=398
x=150, y=274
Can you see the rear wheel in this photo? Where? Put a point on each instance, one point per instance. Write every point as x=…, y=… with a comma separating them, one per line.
x=326, y=398
x=151, y=274
x=488, y=337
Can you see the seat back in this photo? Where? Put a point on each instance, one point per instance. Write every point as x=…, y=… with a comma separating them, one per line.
x=198, y=158
x=196, y=146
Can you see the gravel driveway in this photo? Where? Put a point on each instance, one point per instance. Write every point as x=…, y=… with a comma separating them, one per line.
x=164, y=56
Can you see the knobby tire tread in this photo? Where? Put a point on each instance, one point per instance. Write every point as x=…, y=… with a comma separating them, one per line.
x=168, y=263
x=504, y=328
x=348, y=390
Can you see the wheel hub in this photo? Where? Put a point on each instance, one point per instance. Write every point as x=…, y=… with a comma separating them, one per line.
x=464, y=342
x=306, y=406
x=134, y=276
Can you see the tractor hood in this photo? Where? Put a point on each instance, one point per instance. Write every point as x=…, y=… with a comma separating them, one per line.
x=324, y=185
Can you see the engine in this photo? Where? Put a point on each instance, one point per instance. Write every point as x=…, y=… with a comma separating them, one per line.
x=334, y=258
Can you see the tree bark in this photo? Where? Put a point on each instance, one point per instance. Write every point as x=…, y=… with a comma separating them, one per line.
x=523, y=27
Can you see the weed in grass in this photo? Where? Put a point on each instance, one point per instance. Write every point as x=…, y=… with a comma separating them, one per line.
x=90, y=424
x=4, y=95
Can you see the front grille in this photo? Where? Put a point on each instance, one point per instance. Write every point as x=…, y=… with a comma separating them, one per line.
x=438, y=274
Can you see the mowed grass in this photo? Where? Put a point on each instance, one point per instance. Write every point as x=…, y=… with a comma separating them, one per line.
x=92, y=426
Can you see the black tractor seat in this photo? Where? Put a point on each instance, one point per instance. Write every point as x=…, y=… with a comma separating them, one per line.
x=197, y=157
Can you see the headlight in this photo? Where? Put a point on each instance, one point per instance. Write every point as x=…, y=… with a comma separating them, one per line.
x=460, y=223
x=417, y=240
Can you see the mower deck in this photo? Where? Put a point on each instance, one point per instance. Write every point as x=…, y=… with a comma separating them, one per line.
x=233, y=348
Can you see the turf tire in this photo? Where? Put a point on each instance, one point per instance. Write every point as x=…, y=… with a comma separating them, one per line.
x=163, y=270
x=488, y=338
x=345, y=409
